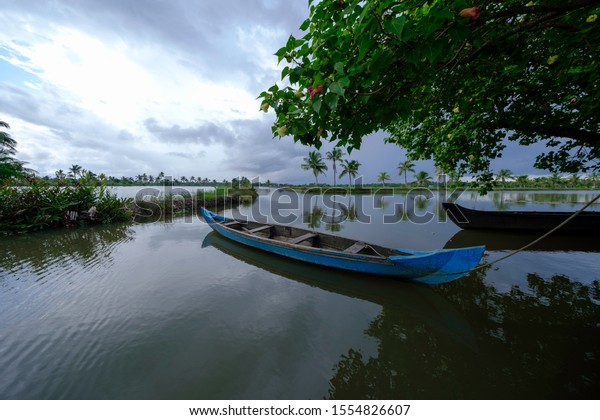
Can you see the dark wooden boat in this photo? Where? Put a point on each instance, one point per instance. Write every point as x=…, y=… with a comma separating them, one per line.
x=585, y=222
x=428, y=267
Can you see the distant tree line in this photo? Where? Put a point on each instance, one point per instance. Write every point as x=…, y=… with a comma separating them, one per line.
x=504, y=178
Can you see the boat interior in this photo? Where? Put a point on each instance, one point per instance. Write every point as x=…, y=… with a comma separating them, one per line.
x=296, y=236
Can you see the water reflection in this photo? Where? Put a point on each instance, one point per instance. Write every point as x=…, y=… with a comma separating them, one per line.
x=538, y=343
x=46, y=249
x=414, y=302
x=500, y=241
x=313, y=217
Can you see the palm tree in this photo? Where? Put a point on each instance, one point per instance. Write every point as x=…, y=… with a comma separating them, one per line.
x=60, y=174
x=7, y=143
x=404, y=168
x=422, y=178
x=454, y=178
x=335, y=155
x=9, y=166
x=575, y=179
x=504, y=175
x=440, y=175
x=555, y=179
x=522, y=180
x=314, y=162
x=75, y=170
x=382, y=177
x=350, y=167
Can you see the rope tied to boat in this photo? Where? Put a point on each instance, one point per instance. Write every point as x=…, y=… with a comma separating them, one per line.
x=530, y=244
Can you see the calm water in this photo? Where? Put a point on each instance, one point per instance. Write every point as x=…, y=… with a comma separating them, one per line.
x=173, y=311
x=140, y=192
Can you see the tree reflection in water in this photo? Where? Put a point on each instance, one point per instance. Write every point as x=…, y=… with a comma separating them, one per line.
x=541, y=343
x=75, y=245
x=314, y=217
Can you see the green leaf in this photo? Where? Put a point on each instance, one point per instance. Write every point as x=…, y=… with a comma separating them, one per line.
x=331, y=99
x=344, y=82
x=291, y=43
x=295, y=75
x=444, y=14
x=281, y=54
x=337, y=88
x=365, y=46
x=434, y=51
x=305, y=25
x=317, y=105
x=428, y=27
x=339, y=67
x=396, y=26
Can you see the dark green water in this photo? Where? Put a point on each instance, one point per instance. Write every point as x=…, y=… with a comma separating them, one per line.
x=172, y=311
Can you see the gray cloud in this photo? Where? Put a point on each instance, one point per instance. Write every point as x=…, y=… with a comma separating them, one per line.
x=205, y=133
x=257, y=153
x=200, y=34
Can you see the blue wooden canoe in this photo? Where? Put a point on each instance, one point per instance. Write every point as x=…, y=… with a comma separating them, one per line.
x=430, y=267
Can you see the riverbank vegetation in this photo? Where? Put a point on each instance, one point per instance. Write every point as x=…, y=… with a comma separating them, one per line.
x=41, y=206
x=501, y=182
x=503, y=179
x=76, y=203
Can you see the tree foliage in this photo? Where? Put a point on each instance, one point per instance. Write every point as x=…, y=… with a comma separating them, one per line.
x=350, y=168
x=314, y=162
x=446, y=80
x=10, y=168
x=334, y=156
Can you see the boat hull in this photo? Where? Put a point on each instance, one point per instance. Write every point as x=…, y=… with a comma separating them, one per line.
x=432, y=267
x=465, y=218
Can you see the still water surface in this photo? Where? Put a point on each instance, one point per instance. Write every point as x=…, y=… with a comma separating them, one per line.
x=173, y=311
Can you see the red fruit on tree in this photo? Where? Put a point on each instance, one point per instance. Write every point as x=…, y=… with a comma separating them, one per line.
x=471, y=12
x=315, y=91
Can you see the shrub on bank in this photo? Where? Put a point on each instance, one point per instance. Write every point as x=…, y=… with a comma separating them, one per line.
x=41, y=206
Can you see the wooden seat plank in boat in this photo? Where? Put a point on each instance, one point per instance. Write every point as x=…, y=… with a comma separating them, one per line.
x=355, y=248
x=232, y=223
x=259, y=229
x=303, y=238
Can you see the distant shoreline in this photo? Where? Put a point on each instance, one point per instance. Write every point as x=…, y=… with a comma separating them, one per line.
x=392, y=190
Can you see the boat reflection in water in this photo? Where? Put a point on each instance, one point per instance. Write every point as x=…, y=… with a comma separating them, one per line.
x=503, y=241
x=413, y=300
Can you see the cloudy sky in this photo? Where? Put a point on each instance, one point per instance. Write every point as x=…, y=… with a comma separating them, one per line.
x=125, y=87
